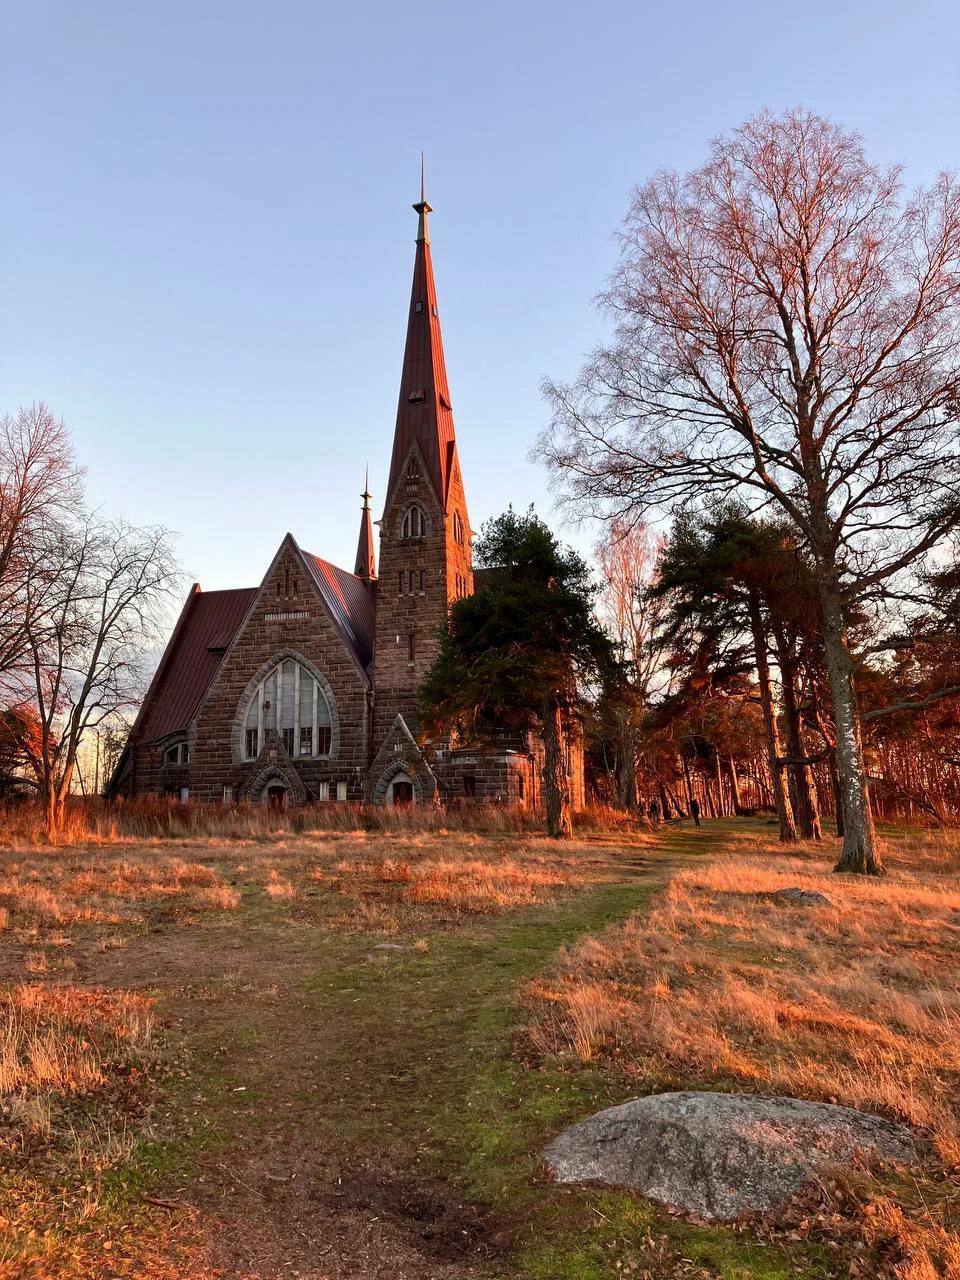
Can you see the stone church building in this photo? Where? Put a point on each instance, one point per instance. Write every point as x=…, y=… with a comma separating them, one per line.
x=304, y=688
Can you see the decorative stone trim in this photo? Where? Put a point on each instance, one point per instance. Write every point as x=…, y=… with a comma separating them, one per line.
x=408, y=769
x=283, y=655
x=275, y=772
x=398, y=754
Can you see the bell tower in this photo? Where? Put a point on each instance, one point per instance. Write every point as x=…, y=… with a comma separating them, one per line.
x=425, y=560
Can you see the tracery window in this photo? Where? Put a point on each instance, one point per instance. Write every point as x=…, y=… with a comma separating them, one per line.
x=291, y=703
x=414, y=523
x=179, y=753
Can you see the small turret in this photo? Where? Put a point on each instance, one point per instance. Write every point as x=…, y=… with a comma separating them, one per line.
x=366, y=566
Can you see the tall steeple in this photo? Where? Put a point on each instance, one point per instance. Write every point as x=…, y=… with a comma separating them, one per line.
x=425, y=560
x=366, y=566
x=425, y=412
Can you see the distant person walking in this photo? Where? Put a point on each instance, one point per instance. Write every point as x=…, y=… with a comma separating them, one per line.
x=695, y=811
x=654, y=812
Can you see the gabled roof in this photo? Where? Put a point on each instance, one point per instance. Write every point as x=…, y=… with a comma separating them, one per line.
x=425, y=412
x=350, y=602
x=207, y=625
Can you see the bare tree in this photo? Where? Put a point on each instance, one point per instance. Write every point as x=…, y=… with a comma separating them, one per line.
x=628, y=566
x=787, y=330
x=39, y=487
x=93, y=610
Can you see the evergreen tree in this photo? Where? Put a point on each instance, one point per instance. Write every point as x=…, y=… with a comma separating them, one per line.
x=520, y=649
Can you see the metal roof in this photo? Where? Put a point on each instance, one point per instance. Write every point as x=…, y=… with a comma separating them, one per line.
x=350, y=602
x=207, y=626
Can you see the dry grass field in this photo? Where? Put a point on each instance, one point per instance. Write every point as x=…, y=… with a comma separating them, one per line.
x=723, y=984
x=335, y=1054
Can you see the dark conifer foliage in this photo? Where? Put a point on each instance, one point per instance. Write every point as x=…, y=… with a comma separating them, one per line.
x=521, y=650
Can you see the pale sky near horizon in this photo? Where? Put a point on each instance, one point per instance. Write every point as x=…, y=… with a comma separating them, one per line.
x=207, y=239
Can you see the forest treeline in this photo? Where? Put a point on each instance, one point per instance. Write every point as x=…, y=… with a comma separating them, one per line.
x=720, y=692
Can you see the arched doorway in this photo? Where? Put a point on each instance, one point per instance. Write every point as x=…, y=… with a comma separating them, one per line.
x=275, y=796
x=276, y=787
x=400, y=792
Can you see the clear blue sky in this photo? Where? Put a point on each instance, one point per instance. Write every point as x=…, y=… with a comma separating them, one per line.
x=207, y=240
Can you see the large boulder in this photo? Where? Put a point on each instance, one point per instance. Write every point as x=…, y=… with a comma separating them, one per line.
x=718, y=1155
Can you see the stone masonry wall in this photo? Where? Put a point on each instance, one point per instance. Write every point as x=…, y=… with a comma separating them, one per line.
x=406, y=608
x=303, y=628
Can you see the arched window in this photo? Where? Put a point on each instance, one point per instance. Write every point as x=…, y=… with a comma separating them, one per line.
x=290, y=702
x=179, y=753
x=414, y=523
x=457, y=528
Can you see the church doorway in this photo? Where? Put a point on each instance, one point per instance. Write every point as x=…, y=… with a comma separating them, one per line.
x=401, y=793
x=276, y=796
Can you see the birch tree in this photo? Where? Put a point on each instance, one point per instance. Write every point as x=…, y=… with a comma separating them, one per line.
x=627, y=560
x=786, y=324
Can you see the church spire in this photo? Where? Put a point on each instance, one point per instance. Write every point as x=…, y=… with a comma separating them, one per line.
x=366, y=566
x=423, y=209
x=424, y=414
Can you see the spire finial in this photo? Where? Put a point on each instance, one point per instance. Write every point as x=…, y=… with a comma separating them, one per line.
x=366, y=488
x=423, y=208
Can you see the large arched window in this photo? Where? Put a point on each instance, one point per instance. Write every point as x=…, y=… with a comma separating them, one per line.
x=290, y=702
x=414, y=523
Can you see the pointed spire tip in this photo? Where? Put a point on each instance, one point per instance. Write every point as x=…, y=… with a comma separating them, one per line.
x=422, y=207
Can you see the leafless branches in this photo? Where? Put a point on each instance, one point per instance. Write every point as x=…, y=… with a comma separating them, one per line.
x=39, y=486
x=81, y=599
x=786, y=330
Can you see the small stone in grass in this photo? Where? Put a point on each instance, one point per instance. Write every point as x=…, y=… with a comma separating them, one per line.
x=797, y=897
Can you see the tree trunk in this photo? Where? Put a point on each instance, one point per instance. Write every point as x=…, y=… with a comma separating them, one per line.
x=734, y=784
x=556, y=787
x=805, y=798
x=718, y=774
x=686, y=776
x=788, y=829
x=51, y=811
x=627, y=769
x=860, y=852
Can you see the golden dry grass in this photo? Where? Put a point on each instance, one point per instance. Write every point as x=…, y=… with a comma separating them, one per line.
x=73, y=1062
x=722, y=985
x=471, y=886
x=855, y=1002
x=59, y=1040
x=94, y=821
x=77, y=1065
x=361, y=879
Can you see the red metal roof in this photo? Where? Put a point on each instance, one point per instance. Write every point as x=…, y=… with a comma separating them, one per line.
x=350, y=601
x=424, y=413
x=207, y=626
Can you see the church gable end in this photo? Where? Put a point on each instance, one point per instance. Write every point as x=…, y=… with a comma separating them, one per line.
x=292, y=653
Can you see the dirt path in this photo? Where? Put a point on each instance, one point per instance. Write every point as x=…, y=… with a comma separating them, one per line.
x=354, y=1109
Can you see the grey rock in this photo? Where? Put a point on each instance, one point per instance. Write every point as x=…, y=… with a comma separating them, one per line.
x=718, y=1155
x=390, y=946
x=797, y=897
